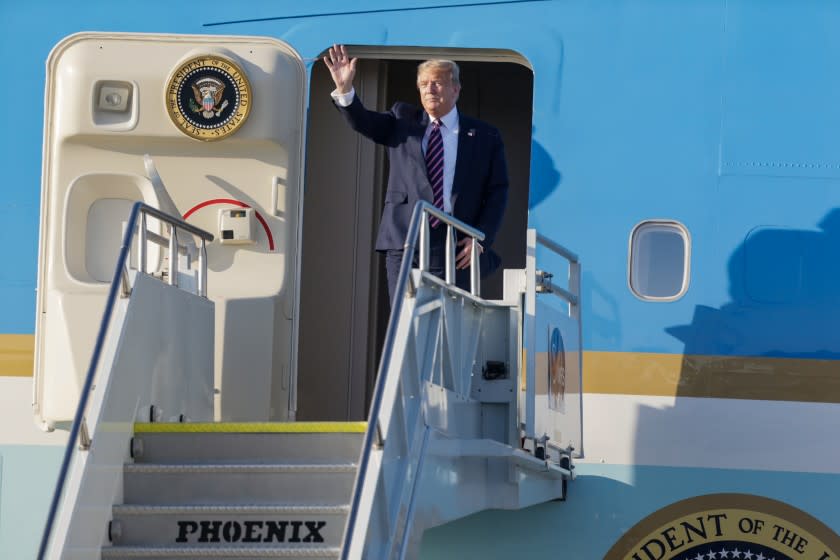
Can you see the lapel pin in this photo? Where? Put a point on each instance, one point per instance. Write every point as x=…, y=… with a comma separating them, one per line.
x=471, y=132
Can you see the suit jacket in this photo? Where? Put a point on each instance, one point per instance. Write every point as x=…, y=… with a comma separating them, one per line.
x=479, y=188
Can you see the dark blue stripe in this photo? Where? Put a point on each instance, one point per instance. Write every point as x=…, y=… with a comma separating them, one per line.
x=382, y=11
x=434, y=150
x=434, y=168
x=435, y=161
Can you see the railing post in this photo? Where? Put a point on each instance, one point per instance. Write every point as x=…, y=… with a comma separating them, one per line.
x=84, y=436
x=530, y=331
x=475, y=270
x=202, y=270
x=141, y=249
x=173, y=256
x=450, y=254
x=576, y=312
x=125, y=286
x=574, y=288
x=424, y=242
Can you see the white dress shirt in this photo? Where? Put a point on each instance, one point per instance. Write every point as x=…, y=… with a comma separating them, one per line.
x=449, y=134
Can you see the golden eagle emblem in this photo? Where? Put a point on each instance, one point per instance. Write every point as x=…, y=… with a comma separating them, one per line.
x=208, y=93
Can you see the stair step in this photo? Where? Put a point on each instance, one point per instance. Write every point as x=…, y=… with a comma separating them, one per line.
x=227, y=552
x=236, y=491
x=255, y=484
x=256, y=525
x=247, y=447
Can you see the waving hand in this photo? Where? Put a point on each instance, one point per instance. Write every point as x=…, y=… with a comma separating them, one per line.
x=342, y=68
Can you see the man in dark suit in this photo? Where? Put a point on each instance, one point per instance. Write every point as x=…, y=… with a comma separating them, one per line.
x=436, y=154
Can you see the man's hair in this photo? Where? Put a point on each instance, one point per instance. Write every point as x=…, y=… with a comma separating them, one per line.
x=440, y=64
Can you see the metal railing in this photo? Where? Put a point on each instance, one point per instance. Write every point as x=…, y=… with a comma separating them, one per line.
x=120, y=286
x=537, y=282
x=572, y=295
x=451, y=224
x=545, y=285
x=374, y=437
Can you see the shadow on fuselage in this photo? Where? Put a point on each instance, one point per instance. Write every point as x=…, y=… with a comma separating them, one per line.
x=784, y=286
x=748, y=363
x=545, y=177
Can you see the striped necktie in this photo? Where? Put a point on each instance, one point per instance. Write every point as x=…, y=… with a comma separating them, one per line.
x=434, y=166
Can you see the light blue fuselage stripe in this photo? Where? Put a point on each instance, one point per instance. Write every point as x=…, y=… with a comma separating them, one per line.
x=607, y=500
x=27, y=480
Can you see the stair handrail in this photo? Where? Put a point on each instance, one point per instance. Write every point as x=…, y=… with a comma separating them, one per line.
x=120, y=287
x=418, y=228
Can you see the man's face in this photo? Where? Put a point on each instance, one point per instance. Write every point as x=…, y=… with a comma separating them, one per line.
x=437, y=92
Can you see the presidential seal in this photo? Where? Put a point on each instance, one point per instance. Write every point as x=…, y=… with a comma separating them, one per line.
x=556, y=370
x=208, y=97
x=728, y=526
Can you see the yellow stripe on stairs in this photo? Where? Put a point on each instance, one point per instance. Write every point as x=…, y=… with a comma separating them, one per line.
x=250, y=427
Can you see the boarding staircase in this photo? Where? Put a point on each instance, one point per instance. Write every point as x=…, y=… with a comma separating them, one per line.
x=456, y=426
x=236, y=491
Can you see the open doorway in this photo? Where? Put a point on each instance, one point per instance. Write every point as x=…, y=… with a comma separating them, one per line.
x=343, y=297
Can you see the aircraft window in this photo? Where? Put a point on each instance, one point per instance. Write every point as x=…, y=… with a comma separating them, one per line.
x=660, y=254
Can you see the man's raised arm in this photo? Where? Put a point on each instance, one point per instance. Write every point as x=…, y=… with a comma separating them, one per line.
x=342, y=68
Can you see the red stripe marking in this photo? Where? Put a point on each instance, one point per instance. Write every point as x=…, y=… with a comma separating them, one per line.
x=235, y=202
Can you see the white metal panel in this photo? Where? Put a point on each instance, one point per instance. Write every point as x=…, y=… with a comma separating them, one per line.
x=699, y=433
x=91, y=155
x=557, y=363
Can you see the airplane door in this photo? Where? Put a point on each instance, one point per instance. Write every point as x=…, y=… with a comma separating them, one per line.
x=222, y=119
